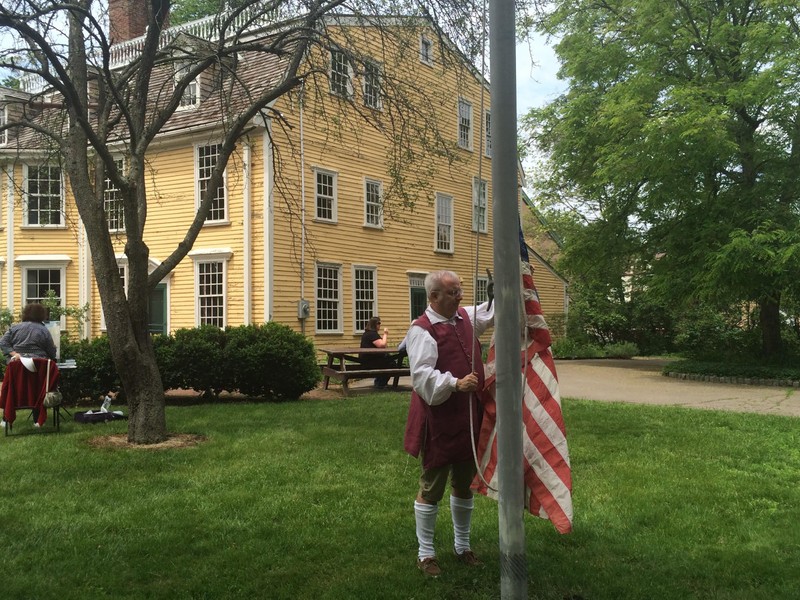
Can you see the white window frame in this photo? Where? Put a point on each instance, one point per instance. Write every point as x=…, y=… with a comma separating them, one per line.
x=332, y=197
x=425, y=50
x=219, y=256
x=340, y=82
x=26, y=219
x=482, y=286
x=464, y=124
x=112, y=203
x=365, y=301
x=487, y=135
x=373, y=206
x=334, y=299
x=444, y=224
x=44, y=262
x=480, y=214
x=372, y=84
x=202, y=173
x=190, y=98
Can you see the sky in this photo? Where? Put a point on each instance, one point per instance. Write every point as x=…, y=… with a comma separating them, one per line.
x=536, y=76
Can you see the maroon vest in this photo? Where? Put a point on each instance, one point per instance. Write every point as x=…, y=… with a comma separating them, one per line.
x=442, y=432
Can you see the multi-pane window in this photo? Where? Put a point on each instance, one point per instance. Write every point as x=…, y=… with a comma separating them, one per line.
x=464, y=124
x=206, y=158
x=481, y=294
x=418, y=299
x=372, y=84
x=39, y=281
x=211, y=293
x=373, y=203
x=43, y=193
x=488, y=133
x=425, y=50
x=325, y=195
x=364, y=295
x=444, y=223
x=112, y=202
x=328, y=301
x=340, y=75
x=479, y=205
x=190, y=96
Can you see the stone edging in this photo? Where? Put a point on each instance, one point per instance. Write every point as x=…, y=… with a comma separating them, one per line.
x=735, y=380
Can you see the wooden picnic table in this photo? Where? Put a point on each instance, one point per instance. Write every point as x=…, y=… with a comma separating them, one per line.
x=347, y=363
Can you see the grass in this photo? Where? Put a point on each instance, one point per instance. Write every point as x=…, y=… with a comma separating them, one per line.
x=314, y=500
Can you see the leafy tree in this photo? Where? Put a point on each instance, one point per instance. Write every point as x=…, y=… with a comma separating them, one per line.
x=89, y=107
x=679, y=142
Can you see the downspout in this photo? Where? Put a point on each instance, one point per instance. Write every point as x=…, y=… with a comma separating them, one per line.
x=302, y=211
x=10, y=238
x=84, y=277
x=247, y=225
x=269, y=178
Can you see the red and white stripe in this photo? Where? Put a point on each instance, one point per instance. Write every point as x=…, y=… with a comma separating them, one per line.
x=547, y=474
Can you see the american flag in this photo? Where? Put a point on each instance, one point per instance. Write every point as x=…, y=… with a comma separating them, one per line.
x=548, y=478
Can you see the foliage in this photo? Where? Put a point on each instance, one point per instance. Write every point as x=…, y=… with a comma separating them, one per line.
x=705, y=334
x=571, y=348
x=198, y=363
x=7, y=319
x=676, y=148
x=55, y=310
x=270, y=361
x=738, y=369
x=94, y=374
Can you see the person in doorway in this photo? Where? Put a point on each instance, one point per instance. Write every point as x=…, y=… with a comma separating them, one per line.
x=444, y=417
x=371, y=338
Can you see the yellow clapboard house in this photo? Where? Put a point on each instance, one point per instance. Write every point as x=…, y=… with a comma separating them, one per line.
x=309, y=229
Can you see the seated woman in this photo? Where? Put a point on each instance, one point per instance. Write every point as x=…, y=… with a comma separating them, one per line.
x=29, y=338
x=372, y=339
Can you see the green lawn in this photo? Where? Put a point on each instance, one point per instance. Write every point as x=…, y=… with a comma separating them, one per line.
x=315, y=500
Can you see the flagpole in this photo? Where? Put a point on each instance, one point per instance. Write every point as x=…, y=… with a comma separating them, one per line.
x=508, y=307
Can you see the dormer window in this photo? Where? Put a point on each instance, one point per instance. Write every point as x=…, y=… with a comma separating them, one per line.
x=425, y=50
x=190, y=96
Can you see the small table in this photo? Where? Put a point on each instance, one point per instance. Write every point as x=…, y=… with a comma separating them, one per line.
x=346, y=363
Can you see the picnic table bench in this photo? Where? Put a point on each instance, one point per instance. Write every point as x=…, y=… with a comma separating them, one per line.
x=347, y=363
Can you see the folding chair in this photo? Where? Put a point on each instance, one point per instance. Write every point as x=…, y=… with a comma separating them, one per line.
x=24, y=389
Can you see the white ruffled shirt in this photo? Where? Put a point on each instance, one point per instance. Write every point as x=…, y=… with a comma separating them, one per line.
x=432, y=385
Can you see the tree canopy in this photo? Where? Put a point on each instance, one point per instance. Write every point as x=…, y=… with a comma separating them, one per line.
x=678, y=144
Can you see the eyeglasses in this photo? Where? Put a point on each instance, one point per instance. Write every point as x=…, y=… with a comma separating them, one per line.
x=454, y=293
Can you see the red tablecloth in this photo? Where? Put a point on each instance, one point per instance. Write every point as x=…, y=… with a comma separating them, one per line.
x=25, y=389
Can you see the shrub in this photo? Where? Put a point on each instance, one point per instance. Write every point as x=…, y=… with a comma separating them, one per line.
x=620, y=350
x=270, y=361
x=197, y=361
x=164, y=349
x=569, y=348
x=94, y=374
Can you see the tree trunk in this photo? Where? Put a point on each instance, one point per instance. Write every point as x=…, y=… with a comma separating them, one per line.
x=770, y=327
x=145, y=394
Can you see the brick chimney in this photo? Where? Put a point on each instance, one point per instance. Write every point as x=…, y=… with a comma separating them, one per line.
x=128, y=18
